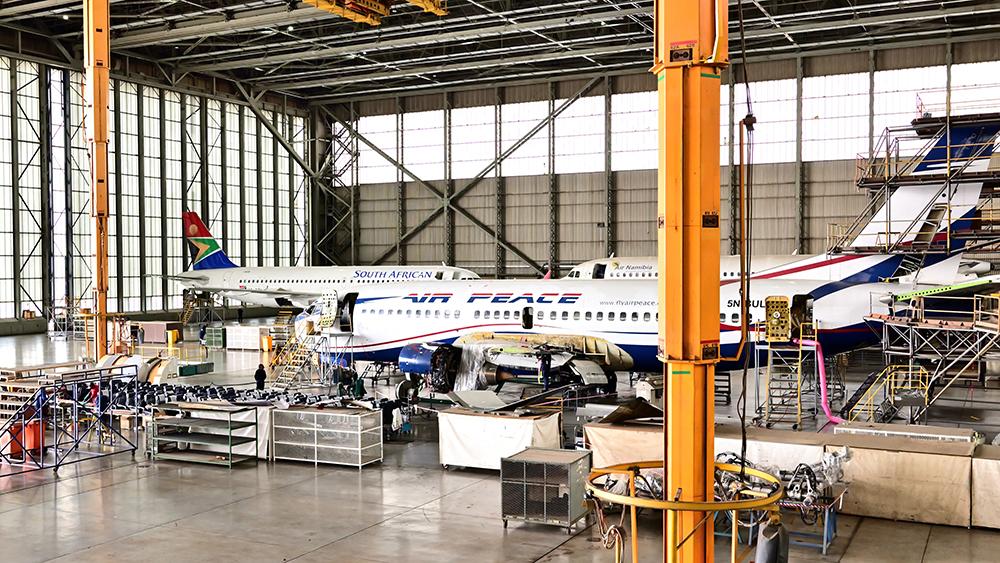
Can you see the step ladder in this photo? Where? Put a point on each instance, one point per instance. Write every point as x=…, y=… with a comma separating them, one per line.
x=783, y=382
x=283, y=329
x=300, y=348
x=190, y=307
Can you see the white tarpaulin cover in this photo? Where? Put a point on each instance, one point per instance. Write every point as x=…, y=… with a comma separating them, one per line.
x=263, y=414
x=469, y=439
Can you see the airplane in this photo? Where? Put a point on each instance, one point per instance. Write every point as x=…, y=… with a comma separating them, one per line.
x=213, y=272
x=471, y=334
x=631, y=267
x=913, y=215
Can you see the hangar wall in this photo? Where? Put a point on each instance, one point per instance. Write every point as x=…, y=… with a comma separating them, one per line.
x=550, y=198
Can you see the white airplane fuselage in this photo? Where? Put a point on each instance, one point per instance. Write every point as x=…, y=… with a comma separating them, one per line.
x=299, y=286
x=389, y=317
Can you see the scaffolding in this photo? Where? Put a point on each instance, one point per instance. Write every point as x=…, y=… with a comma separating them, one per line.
x=791, y=388
x=937, y=342
x=923, y=154
x=51, y=420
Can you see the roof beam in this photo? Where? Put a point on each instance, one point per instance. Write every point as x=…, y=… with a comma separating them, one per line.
x=220, y=25
x=490, y=63
x=377, y=44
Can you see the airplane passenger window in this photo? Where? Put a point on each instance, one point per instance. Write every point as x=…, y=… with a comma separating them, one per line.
x=506, y=314
x=587, y=315
x=565, y=315
x=437, y=313
x=576, y=315
x=645, y=317
x=381, y=311
x=408, y=311
x=475, y=315
x=635, y=316
x=417, y=313
x=517, y=315
x=734, y=318
x=600, y=316
x=447, y=314
x=457, y=313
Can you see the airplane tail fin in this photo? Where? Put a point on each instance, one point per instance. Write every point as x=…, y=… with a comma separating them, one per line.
x=916, y=211
x=207, y=252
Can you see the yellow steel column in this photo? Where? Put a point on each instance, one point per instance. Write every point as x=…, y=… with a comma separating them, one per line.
x=96, y=59
x=690, y=51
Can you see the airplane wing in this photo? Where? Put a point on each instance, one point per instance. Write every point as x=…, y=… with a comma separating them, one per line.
x=481, y=360
x=980, y=286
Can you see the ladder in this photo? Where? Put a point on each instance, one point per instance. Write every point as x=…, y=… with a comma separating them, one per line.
x=784, y=387
x=190, y=307
x=299, y=349
x=283, y=329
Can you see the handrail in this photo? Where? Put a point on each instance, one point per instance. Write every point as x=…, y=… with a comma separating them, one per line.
x=888, y=383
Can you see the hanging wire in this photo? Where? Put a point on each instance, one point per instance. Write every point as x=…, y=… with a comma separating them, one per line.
x=747, y=163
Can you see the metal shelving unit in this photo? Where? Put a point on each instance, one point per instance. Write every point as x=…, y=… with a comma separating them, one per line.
x=340, y=436
x=187, y=428
x=544, y=486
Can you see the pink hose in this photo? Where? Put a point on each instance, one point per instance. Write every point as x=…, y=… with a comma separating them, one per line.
x=822, y=381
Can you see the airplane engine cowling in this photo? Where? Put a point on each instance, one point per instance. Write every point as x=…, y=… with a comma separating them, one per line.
x=437, y=363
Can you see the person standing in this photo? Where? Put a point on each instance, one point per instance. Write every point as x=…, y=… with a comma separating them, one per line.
x=260, y=376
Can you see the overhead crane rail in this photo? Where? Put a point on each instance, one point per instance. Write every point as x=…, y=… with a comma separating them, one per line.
x=371, y=12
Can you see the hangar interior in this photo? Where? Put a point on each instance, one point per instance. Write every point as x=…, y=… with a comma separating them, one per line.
x=485, y=140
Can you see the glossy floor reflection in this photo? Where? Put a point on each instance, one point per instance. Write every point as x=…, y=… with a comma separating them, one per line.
x=407, y=509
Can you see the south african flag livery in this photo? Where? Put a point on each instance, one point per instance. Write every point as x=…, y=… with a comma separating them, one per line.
x=207, y=252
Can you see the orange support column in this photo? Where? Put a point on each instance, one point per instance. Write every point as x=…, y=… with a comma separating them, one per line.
x=690, y=52
x=96, y=63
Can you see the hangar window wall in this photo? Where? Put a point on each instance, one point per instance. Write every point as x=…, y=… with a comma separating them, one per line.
x=168, y=151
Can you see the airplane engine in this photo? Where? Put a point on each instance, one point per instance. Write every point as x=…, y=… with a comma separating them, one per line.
x=436, y=363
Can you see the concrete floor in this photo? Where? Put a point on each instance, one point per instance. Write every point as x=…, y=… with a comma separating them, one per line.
x=406, y=509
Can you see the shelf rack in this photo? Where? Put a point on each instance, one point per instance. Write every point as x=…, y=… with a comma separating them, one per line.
x=340, y=436
x=178, y=424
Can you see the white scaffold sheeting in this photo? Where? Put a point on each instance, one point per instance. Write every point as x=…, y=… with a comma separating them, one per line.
x=470, y=439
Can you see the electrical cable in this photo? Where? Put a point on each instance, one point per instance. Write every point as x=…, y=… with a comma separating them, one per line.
x=748, y=123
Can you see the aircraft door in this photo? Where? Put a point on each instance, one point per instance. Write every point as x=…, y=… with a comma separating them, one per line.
x=527, y=318
x=345, y=314
x=599, y=271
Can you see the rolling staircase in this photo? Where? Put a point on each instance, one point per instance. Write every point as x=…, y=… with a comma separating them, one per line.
x=884, y=394
x=301, y=347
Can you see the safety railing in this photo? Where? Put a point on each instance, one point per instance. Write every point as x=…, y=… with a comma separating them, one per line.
x=891, y=382
x=987, y=312
x=756, y=491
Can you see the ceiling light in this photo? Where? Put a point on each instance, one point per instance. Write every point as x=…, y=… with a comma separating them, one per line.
x=65, y=16
x=290, y=28
x=258, y=69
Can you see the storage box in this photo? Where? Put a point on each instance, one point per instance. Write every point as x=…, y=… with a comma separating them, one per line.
x=155, y=332
x=470, y=439
x=985, y=480
x=245, y=337
x=544, y=486
x=907, y=479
